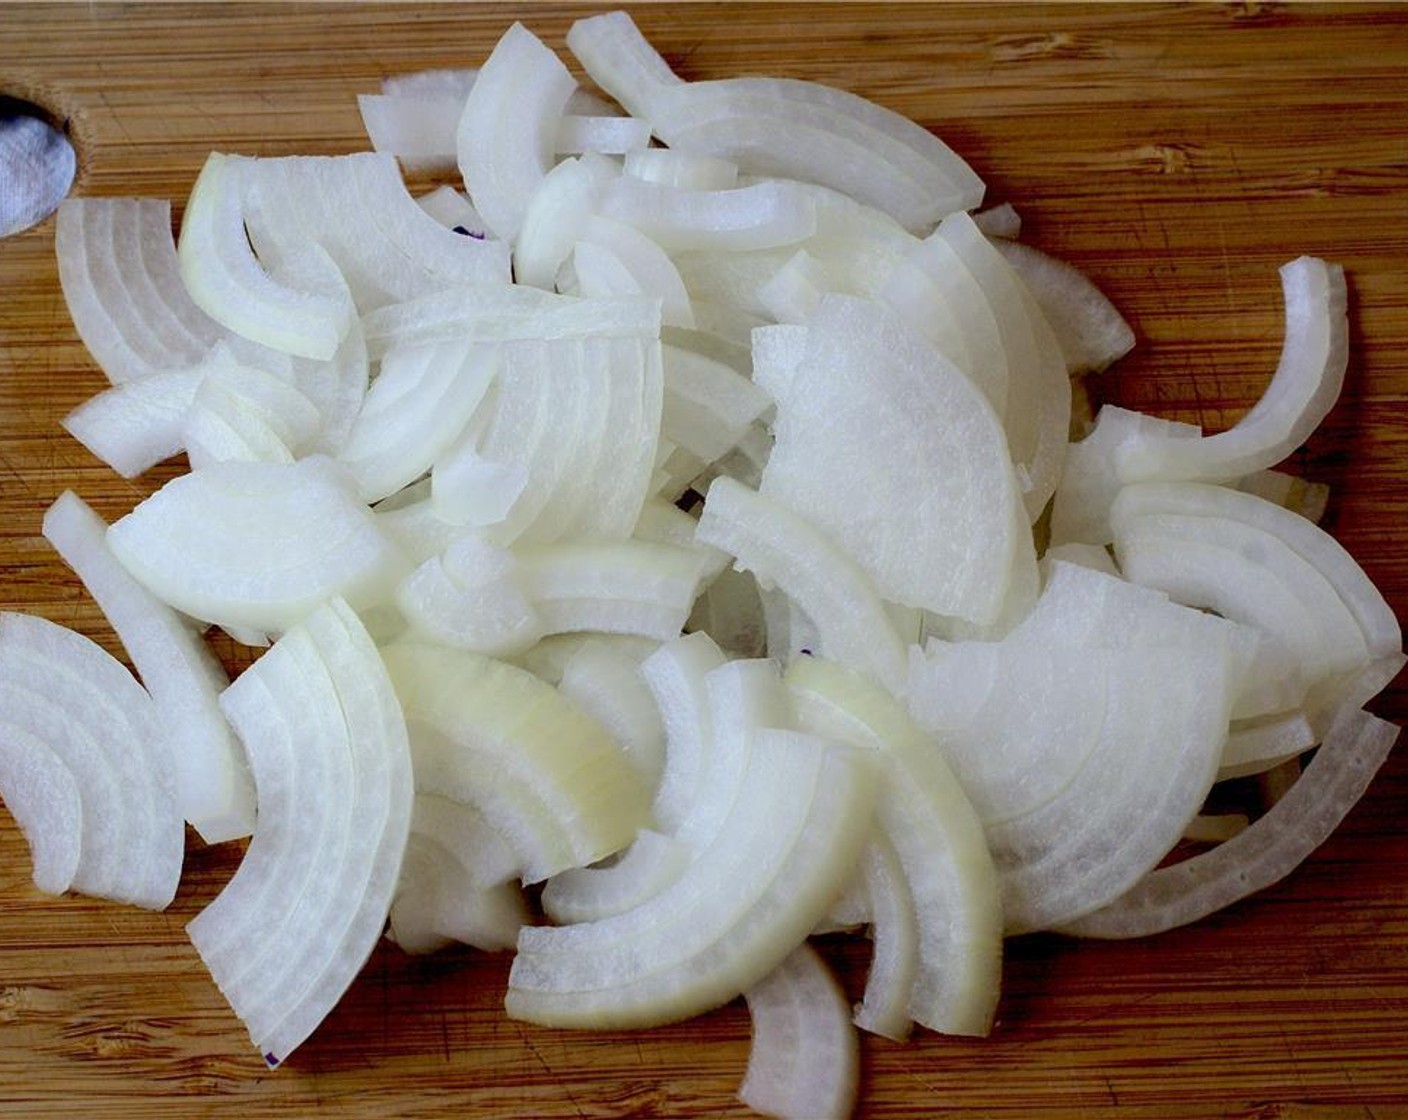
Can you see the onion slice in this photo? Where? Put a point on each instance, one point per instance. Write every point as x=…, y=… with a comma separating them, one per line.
x=213, y=788
x=83, y=757
x=1265, y=852
x=804, y=1062
x=255, y=545
x=782, y=549
x=789, y=844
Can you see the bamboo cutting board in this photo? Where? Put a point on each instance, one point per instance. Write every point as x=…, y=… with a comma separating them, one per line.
x=1177, y=154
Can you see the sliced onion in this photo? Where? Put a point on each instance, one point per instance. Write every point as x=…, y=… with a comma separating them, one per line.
x=782, y=549
x=680, y=169
x=1093, y=335
x=556, y=214
x=611, y=135
x=320, y=902
x=785, y=852
x=755, y=217
x=545, y=776
x=255, y=544
x=647, y=867
x=130, y=306
x=804, y=1061
x=613, y=259
x=506, y=135
x=86, y=762
x=781, y=127
x=948, y=877
x=228, y=284
x=607, y=684
x=212, y=783
x=868, y=400
x=1263, y=854
x=421, y=401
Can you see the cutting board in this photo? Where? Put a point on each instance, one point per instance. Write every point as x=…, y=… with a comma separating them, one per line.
x=1177, y=154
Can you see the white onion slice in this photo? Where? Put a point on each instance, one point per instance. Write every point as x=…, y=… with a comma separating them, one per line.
x=607, y=135
x=763, y=216
x=471, y=597
x=613, y=259
x=1314, y=355
x=618, y=587
x=1255, y=746
x=131, y=308
x=433, y=905
x=782, y=549
x=709, y=406
x=318, y=935
x=867, y=402
x=356, y=209
x=949, y=887
x=544, y=775
x=420, y=402
x=136, y=424
x=228, y=284
x=680, y=169
x=419, y=131
x=804, y=1061
x=213, y=789
x=895, y=937
x=785, y=852
x=67, y=707
x=774, y=126
x=1306, y=539
x=1267, y=851
x=507, y=133
x=1093, y=335
x=255, y=544
x=556, y=214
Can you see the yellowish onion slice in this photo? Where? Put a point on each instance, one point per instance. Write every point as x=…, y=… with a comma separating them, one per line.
x=948, y=888
x=784, y=853
x=544, y=775
x=804, y=1062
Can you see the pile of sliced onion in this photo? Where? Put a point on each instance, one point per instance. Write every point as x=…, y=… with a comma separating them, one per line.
x=647, y=513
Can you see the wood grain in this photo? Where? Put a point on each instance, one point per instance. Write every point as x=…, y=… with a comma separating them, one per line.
x=1179, y=154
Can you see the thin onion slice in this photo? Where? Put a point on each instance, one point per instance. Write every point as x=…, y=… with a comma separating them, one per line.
x=782, y=549
x=1264, y=853
x=212, y=783
x=804, y=1062
x=68, y=708
x=788, y=846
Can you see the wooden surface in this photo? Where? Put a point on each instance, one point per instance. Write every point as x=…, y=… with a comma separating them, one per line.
x=1179, y=155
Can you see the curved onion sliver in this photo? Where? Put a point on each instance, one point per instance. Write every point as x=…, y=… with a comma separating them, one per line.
x=946, y=873
x=506, y=136
x=782, y=549
x=213, y=787
x=68, y=705
x=804, y=1062
x=544, y=775
x=1265, y=852
x=785, y=852
x=797, y=129
x=227, y=282
x=1314, y=356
